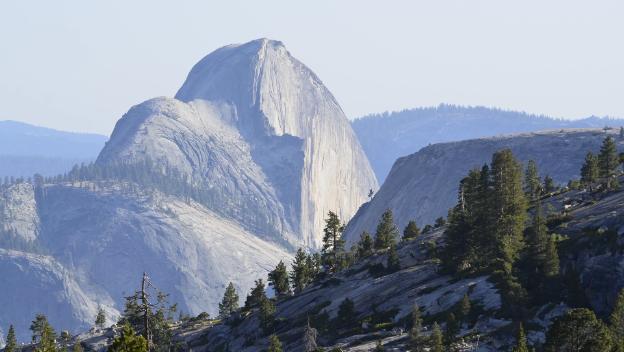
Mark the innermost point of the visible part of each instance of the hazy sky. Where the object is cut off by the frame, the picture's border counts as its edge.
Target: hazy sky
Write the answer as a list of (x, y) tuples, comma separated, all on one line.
[(79, 65)]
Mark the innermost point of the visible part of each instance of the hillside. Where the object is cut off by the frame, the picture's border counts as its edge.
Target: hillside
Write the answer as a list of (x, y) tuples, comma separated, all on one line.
[(383, 300), (423, 186), (389, 136)]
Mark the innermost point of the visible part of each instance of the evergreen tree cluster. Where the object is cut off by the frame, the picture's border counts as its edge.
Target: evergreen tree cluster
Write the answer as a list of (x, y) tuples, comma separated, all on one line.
[(488, 232), (602, 169)]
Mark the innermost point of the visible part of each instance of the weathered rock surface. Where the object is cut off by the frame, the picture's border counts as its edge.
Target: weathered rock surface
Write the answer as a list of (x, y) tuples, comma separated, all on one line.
[(423, 186), (251, 126), (101, 237), (258, 128), (389, 136)]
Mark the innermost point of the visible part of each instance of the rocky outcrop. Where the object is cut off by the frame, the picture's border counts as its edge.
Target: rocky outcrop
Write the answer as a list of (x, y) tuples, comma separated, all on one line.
[(389, 136), (423, 186), (100, 237)]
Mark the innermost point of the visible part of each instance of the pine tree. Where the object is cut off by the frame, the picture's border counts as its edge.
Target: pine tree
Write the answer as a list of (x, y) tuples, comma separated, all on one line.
[(229, 303), (532, 182), (38, 326), (299, 275), (11, 341), (589, 171), (267, 314), (275, 345), (365, 245), (386, 233), (347, 316), (278, 279), (436, 343), (393, 263), (508, 208), (256, 296), (542, 254), (578, 330), (100, 319), (313, 264), (416, 339), (128, 341), (47, 340), (550, 267), (309, 338), (616, 321), (608, 163), (521, 341), (411, 231), (333, 244), (549, 184), (465, 306)]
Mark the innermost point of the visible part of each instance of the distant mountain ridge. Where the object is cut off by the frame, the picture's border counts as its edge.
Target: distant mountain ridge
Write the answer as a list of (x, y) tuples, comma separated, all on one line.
[(27, 149), (388, 136)]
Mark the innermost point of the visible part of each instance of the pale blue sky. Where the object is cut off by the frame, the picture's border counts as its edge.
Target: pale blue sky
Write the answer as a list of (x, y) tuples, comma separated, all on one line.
[(79, 65)]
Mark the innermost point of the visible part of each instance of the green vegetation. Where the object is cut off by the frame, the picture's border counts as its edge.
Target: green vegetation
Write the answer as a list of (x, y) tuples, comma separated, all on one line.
[(274, 344), (100, 319), (387, 232), (608, 163), (278, 279), (128, 341), (256, 296), (229, 303), (411, 231), (365, 245), (521, 341), (11, 341), (333, 244), (578, 330)]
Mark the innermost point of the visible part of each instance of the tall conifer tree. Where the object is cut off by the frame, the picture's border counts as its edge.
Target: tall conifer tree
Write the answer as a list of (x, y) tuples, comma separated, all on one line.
[(532, 182), (608, 163), (278, 279), (589, 171), (387, 232), (333, 244), (11, 341), (229, 303), (508, 208)]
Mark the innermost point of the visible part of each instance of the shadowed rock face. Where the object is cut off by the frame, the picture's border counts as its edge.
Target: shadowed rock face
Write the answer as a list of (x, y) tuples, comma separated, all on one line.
[(423, 186)]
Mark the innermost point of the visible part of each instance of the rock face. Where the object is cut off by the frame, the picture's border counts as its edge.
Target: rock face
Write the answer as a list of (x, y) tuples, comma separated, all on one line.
[(98, 238), (258, 128), (252, 128), (389, 136), (423, 186)]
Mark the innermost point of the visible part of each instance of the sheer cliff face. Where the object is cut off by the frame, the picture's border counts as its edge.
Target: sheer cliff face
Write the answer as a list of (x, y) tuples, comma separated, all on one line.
[(423, 186), (259, 129)]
